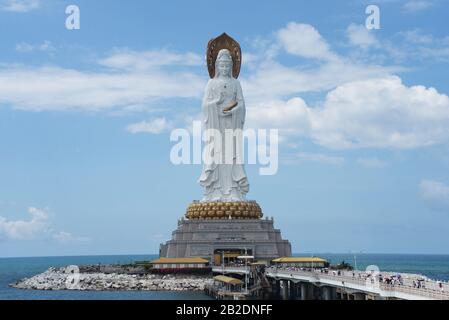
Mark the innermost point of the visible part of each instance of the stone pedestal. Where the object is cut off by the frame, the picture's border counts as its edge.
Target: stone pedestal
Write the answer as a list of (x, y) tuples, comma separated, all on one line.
[(206, 238)]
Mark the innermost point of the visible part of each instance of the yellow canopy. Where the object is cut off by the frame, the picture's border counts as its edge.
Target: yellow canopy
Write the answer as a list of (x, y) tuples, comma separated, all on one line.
[(228, 280)]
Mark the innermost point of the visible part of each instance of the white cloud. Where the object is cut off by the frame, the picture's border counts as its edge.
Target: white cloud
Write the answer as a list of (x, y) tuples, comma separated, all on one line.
[(25, 229), (417, 5), (126, 59), (435, 193), (38, 226), (382, 113), (292, 116), (417, 45), (55, 88), (66, 237), (25, 47), (374, 113), (436, 53), (305, 41), (320, 158), (371, 162), (20, 5), (271, 80), (365, 107), (360, 36), (417, 36), (154, 126)]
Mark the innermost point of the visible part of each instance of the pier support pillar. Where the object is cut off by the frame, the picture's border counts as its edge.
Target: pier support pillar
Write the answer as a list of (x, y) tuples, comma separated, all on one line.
[(359, 296), (303, 290), (277, 288), (293, 290), (327, 293), (284, 289), (311, 292)]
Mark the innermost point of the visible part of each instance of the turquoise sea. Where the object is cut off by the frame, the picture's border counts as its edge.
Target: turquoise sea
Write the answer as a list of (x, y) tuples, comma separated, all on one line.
[(14, 269)]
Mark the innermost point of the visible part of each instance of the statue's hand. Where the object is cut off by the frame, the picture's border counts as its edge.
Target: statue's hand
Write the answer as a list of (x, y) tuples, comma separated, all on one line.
[(229, 110), (220, 99), (231, 106)]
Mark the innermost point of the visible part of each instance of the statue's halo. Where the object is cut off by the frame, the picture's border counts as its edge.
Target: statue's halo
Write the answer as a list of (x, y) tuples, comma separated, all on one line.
[(224, 42)]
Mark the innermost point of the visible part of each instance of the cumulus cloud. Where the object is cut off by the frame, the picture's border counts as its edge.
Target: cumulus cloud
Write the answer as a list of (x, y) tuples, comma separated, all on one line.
[(366, 105), (154, 126), (305, 41), (382, 112), (359, 35), (271, 80), (20, 5), (435, 193), (274, 81), (26, 229), (374, 113), (38, 226)]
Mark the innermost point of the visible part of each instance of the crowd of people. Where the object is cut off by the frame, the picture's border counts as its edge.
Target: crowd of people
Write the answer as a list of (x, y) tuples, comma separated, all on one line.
[(388, 279)]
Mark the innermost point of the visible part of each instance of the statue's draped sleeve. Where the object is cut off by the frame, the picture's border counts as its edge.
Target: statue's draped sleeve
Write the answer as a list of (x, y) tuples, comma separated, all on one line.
[(210, 121), (239, 113), (238, 120)]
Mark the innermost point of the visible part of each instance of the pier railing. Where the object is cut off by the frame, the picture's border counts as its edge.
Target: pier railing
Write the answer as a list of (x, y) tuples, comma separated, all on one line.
[(362, 282)]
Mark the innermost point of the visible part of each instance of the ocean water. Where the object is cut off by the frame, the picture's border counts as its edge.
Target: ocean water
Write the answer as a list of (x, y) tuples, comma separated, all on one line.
[(14, 269)]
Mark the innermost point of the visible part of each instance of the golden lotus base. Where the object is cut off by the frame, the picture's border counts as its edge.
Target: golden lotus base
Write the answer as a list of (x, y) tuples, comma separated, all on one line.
[(224, 210)]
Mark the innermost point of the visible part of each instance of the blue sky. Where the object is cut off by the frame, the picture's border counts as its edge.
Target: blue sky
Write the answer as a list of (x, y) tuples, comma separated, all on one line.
[(363, 116)]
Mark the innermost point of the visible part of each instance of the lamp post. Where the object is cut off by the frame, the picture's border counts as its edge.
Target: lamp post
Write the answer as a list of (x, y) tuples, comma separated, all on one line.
[(312, 263), (246, 257), (246, 271), (222, 262)]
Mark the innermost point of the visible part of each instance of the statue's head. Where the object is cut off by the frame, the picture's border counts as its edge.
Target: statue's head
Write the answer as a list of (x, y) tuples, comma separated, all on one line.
[(223, 64)]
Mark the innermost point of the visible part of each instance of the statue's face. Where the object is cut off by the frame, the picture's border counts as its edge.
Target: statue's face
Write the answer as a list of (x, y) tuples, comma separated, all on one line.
[(224, 68)]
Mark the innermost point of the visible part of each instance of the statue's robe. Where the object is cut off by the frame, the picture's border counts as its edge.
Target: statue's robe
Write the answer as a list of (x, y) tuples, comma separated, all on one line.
[(223, 181)]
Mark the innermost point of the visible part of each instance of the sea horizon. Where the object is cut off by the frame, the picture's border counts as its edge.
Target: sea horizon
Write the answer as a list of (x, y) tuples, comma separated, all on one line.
[(296, 254)]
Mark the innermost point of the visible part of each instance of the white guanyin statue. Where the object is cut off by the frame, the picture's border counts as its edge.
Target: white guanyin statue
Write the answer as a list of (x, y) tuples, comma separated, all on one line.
[(224, 108)]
